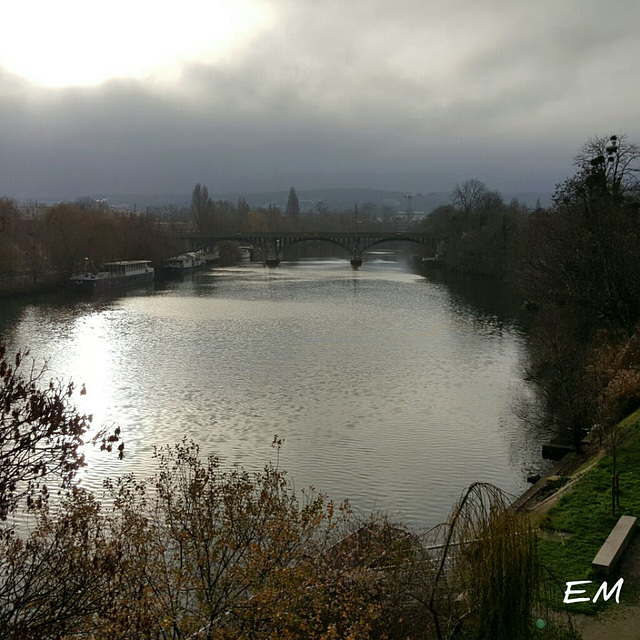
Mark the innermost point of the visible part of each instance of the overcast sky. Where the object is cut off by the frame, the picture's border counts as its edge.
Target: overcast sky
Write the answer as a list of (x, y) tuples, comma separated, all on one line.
[(246, 95)]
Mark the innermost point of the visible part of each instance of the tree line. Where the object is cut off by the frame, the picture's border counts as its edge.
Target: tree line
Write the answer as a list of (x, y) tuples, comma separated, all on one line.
[(579, 269), (481, 232), (576, 265), (222, 216), (35, 240)]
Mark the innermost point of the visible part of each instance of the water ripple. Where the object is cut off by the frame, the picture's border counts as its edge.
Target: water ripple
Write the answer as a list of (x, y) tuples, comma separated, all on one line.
[(386, 388)]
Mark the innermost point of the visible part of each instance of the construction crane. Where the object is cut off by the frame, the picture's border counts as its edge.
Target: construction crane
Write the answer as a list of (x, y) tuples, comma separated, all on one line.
[(409, 198)]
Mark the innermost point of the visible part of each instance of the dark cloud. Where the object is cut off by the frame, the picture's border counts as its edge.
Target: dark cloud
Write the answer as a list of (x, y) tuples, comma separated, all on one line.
[(400, 95)]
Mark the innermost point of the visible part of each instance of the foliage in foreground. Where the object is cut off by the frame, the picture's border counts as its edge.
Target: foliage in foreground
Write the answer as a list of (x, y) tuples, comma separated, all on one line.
[(40, 434), (196, 551), (201, 552), (486, 581)]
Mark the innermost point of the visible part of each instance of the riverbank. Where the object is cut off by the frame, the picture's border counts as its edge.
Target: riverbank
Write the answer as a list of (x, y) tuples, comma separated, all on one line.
[(27, 284), (577, 519), (49, 282)]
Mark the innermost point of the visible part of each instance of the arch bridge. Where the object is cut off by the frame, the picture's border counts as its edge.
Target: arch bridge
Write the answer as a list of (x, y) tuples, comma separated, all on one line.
[(273, 244)]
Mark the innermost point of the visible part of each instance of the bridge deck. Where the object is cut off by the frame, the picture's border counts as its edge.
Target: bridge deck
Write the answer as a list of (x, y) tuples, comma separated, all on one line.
[(274, 242)]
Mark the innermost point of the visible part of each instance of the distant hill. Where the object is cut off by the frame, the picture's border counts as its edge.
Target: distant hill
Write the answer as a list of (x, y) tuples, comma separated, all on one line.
[(340, 199)]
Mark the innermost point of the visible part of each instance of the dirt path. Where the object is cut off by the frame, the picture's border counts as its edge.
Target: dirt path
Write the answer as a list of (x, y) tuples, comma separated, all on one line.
[(616, 624), (618, 621)]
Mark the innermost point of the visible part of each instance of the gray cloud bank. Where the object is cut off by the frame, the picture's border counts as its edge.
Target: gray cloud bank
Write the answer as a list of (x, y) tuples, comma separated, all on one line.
[(401, 95)]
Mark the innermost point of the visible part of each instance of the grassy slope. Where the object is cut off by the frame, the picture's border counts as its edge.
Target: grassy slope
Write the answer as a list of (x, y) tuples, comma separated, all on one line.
[(585, 511)]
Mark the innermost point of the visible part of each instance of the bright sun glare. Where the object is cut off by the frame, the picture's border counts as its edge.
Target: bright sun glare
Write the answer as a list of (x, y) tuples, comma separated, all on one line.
[(76, 42)]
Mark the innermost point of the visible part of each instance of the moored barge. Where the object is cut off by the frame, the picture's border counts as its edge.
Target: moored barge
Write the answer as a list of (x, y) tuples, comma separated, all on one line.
[(114, 275), (183, 264)]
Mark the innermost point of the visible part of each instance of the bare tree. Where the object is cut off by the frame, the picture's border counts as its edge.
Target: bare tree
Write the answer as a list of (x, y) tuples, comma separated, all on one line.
[(40, 434), (614, 160), (469, 195)]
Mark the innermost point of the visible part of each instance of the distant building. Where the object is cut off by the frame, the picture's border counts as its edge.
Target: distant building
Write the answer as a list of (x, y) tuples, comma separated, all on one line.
[(306, 205), (414, 215), (272, 205)]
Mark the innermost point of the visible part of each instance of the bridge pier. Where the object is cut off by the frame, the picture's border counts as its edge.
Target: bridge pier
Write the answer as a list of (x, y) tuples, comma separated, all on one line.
[(356, 258), (272, 258)]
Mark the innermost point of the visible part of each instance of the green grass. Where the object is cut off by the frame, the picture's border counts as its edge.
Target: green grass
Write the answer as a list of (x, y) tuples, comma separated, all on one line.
[(585, 511)]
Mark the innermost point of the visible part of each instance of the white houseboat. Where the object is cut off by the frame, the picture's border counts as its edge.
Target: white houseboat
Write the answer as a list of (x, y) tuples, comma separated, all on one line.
[(184, 263), (114, 275)]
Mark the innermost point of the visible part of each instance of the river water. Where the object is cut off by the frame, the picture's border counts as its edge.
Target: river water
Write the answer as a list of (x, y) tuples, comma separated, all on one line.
[(390, 389)]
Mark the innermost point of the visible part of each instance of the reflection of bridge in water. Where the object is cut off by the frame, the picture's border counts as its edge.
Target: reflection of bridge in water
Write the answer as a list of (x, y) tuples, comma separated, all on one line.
[(273, 244)]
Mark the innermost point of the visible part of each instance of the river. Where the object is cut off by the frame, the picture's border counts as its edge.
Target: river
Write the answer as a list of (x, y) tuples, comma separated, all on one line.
[(390, 389)]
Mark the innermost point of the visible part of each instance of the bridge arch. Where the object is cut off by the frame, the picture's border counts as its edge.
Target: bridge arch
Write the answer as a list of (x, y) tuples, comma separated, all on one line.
[(314, 239), (425, 243)]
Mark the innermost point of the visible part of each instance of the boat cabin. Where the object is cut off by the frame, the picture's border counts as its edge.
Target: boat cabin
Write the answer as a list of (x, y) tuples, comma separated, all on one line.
[(185, 261), (128, 267)]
